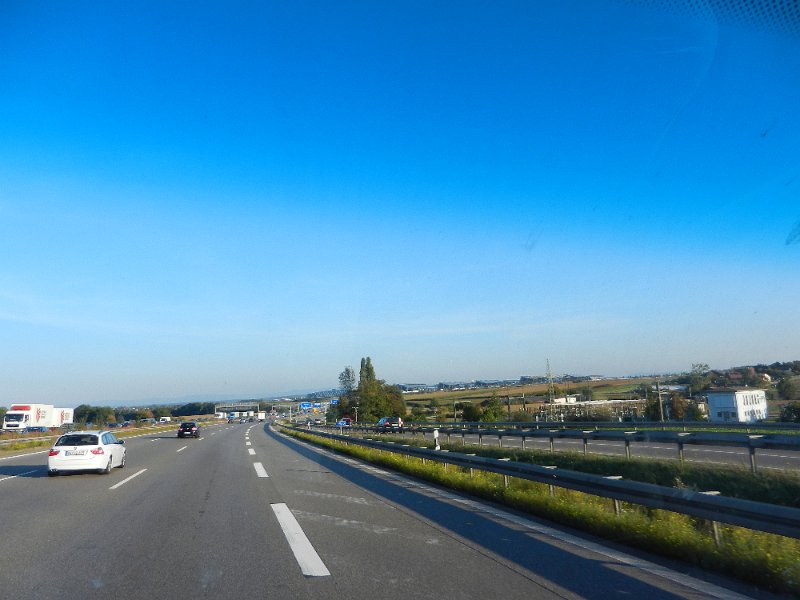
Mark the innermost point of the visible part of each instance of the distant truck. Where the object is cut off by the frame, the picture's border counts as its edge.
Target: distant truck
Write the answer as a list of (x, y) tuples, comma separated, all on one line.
[(165, 419), (262, 415), (24, 416)]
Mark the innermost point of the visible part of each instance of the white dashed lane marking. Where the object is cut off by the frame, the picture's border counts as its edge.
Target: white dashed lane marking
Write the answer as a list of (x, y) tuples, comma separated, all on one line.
[(126, 480), (306, 556)]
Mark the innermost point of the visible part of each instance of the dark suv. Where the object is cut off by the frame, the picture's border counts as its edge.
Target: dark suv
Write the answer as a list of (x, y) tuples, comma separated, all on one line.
[(394, 424), (189, 429)]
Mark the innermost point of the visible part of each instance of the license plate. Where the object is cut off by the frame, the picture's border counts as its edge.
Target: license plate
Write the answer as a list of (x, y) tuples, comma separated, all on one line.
[(75, 452)]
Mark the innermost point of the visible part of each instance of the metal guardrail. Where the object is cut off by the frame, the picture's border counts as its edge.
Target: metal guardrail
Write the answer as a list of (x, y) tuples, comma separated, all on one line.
[(758, 516), (22, 440), (605, 425), (751, 442)]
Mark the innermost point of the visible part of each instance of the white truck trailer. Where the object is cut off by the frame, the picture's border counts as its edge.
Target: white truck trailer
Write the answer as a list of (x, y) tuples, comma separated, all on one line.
[(24, 416), (63, 416)]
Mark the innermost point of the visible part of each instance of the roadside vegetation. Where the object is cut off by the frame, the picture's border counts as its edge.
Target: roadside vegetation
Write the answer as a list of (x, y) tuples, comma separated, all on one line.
[(772, 487), (369, 399), (769, 561), (25, 444)]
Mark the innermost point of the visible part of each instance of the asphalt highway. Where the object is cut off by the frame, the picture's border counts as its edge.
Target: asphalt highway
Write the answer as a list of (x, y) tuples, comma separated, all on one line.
[(244, 512)]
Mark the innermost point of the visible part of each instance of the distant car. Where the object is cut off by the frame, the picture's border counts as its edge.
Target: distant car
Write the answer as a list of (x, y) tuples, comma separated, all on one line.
[(242, 420), (37, 429), (319, 422), (344, 423), (189, 429), (86, 451), (394, 424)]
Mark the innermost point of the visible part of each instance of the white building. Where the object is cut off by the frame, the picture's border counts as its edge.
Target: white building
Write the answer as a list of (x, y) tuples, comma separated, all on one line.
[(738, 406)]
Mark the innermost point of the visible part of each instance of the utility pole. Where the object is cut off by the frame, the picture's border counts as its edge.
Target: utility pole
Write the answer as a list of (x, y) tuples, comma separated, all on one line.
[(660, 405), (551, 392)]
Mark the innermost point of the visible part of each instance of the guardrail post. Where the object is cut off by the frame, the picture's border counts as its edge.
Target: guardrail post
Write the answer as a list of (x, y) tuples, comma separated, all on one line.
[(714, 524), (617, 504), (505, 477), (499, 440), (523, 441), (480, 439), (550, 485), (627, 448), (752, 449), (552, 444), (471, 470), (463, 437), (585, 445)]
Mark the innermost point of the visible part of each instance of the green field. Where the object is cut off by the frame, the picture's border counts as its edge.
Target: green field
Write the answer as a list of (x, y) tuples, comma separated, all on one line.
[(602, 391)]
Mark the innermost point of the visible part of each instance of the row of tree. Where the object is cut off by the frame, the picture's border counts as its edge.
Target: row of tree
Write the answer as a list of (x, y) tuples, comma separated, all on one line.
[(370, 398), (100, 415), (701, 378)]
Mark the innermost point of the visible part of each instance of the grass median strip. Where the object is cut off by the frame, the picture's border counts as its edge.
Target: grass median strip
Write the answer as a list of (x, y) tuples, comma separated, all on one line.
[(769, 561)]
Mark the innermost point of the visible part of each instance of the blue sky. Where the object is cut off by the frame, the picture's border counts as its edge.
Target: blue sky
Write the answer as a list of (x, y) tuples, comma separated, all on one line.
[(232, 200)]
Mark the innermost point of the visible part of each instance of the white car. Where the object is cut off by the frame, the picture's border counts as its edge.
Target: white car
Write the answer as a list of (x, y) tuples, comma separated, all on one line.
[(86, 451)]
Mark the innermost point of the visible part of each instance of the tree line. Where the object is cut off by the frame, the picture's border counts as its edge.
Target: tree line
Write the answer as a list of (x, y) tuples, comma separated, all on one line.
[(370, 398), (100, 415)]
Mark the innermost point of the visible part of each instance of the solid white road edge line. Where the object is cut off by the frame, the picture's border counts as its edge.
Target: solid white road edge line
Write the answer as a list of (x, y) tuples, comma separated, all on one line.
[(260, 470), (18, 475), (310, 563), (124, 481)]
